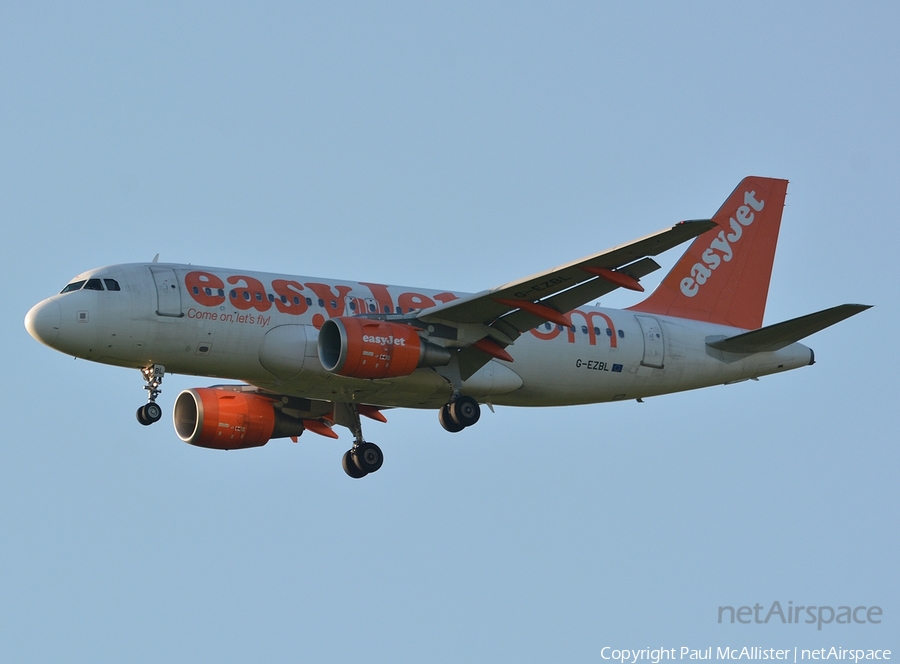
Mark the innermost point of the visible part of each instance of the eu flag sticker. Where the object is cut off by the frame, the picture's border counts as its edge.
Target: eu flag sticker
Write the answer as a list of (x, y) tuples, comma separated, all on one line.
[(617, 367)]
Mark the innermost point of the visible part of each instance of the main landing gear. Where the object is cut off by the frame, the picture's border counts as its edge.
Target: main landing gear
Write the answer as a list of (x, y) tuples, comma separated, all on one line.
[(363, 458), (460, 413), (151, 411)]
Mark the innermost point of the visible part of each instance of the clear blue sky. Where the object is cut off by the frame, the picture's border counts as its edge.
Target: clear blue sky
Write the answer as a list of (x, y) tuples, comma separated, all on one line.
[(454, 146)]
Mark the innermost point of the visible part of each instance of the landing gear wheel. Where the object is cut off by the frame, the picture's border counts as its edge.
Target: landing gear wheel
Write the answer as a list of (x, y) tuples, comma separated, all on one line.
[(447, 421), (149, 413), (152, 412), (350, 466), (367, 457), (465, 411), (141, 417)]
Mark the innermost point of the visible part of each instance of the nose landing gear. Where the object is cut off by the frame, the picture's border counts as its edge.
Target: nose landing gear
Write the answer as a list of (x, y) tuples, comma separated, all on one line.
[(151, 411)]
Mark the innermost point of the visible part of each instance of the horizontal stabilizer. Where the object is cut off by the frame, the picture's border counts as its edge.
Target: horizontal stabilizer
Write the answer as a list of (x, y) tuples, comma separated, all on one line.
[(779, 335)]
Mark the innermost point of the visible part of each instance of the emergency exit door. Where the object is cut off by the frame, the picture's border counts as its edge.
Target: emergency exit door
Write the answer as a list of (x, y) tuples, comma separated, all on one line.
[(654, 344)]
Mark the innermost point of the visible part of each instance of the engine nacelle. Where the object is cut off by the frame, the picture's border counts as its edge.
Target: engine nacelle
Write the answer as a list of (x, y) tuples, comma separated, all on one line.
[(366, 348), (223, 419)]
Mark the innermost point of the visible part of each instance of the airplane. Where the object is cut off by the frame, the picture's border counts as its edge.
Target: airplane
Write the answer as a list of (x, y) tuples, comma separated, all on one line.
[(312, 353)]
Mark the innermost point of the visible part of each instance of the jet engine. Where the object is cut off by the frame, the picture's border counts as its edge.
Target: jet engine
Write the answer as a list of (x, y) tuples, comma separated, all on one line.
[(223, 419), (366, 348)]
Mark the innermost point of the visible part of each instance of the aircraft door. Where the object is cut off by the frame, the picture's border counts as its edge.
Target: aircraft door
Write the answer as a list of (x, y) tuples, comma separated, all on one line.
[(654, 345), (168, 293)]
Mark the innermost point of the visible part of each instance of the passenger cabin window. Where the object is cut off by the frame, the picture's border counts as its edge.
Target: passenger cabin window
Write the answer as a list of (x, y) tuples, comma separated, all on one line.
[(74, 286)]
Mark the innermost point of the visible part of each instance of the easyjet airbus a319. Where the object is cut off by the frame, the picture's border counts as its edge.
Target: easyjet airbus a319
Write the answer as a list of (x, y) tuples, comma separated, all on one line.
[(314, 353)]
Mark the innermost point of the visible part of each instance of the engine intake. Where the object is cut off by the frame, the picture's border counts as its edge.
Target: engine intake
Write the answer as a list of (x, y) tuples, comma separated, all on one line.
[(229, 420), (366, 348)]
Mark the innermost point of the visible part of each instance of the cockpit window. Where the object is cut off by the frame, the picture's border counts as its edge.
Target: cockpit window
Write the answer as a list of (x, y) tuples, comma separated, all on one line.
[(92, 284), (74, 286)]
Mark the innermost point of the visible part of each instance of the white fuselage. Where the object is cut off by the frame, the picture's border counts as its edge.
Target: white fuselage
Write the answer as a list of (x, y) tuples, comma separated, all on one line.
[(262, 329)]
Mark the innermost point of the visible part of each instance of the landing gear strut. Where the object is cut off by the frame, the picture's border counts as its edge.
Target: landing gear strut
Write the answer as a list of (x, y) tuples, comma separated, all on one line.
[(460, 413), (364, 457), (151, 411)]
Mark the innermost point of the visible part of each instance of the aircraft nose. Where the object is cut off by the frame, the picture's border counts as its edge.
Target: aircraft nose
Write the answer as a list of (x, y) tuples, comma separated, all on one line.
[(42, 322)]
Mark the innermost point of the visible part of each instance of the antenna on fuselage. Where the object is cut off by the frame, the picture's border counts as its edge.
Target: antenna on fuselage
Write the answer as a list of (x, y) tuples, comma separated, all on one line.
[(155, 259)]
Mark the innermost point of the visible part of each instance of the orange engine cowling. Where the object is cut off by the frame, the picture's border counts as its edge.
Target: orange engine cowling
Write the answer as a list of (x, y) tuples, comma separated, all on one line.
[(366, 348), (223, 419)]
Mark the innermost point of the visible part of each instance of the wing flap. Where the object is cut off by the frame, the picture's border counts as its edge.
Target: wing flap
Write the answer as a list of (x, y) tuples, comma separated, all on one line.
[(587, 291)]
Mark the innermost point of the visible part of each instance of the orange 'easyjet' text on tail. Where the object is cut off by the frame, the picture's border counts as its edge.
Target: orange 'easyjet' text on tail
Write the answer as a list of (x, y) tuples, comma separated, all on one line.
[(723, 277)]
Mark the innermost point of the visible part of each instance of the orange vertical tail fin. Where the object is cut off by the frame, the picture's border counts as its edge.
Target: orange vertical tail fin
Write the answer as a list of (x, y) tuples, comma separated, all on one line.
[(723, 277)]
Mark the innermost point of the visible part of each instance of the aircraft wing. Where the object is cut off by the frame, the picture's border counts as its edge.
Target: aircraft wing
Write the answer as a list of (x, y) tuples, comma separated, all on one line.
[(489, 321)]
